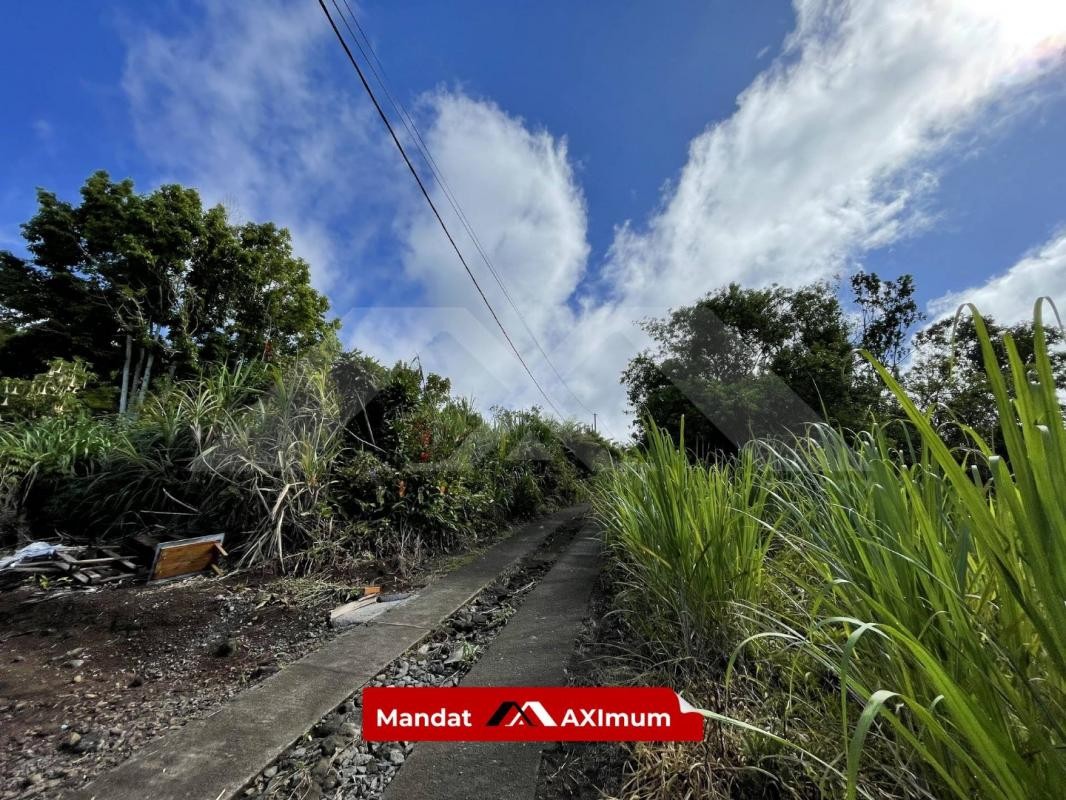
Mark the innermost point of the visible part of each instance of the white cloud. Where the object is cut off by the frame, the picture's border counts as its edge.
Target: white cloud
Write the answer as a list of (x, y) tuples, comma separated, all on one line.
[(1009, 298), (831, 152), (241, 105), (517, 190)]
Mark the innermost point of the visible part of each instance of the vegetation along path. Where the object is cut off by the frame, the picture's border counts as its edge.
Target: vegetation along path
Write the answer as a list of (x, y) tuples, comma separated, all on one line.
[(216, 757)]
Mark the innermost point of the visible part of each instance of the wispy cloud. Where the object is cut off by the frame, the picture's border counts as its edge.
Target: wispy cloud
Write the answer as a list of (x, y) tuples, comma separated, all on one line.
[(242, 104), (44, 130), (831, 152), (1009, 297)]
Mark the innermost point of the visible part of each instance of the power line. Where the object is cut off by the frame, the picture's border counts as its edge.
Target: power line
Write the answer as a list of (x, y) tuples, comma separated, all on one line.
[(432, 205), (371, 58)]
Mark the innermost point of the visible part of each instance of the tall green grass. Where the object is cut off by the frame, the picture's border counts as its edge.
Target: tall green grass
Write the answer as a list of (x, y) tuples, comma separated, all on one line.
[(930, 590), (692, 539)]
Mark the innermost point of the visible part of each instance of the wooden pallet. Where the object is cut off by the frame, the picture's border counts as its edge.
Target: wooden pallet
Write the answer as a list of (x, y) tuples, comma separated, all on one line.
[(87, 566), (150, 557)]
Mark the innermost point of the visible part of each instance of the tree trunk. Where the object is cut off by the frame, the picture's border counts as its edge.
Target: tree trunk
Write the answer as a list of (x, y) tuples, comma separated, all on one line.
[(136, 379), (145, 381), (124, 392)]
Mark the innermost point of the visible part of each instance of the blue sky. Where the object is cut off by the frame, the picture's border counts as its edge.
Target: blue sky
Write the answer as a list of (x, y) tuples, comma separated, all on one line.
[(616, 159)]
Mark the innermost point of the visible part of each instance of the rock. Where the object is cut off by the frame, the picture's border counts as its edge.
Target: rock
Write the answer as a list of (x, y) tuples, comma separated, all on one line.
[(326, 727), (17, 659), (136, 681), (71, 741), (362, 759), (78, 679), (329, 745), (225, 648), (270, 772), (87, 744), (396, 756), (349, 730), (321, 769)]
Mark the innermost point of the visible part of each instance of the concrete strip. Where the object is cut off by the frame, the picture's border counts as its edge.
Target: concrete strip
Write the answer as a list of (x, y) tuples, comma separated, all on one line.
[(214, 757), (532, 650)]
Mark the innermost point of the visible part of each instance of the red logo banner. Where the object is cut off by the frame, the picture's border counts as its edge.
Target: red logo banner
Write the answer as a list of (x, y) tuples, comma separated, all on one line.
[(528, 714)]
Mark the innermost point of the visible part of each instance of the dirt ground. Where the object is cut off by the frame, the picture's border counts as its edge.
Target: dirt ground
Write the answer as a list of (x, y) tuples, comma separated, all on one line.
[(86, 677)]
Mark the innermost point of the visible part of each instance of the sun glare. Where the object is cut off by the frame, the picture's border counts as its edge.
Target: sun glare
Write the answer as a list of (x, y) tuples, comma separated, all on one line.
[(1029, 25)]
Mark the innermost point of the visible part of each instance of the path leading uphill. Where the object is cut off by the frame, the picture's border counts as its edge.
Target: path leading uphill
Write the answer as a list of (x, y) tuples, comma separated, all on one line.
[(216, 757), (531, 651)]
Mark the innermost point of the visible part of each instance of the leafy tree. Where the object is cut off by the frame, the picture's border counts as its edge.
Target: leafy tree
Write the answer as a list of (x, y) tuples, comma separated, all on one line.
[(746, 362), (136, 284), (888, 313), (948, 375)]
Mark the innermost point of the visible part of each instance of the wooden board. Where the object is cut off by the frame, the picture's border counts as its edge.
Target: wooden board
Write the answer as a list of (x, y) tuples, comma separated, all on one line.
[(336, 616), (185, 556)]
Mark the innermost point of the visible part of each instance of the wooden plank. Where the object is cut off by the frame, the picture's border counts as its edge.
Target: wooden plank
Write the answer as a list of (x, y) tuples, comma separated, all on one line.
[(124, 562), (88, 562), (184, 556), (336, 614)]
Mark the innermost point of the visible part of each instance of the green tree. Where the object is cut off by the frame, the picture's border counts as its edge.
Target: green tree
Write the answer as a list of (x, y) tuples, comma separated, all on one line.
[(746, 362), (136, 284), (948, 376), (888, 312)]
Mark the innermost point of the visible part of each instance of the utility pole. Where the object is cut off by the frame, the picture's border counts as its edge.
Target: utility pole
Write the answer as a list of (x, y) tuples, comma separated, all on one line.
[(594, 422)]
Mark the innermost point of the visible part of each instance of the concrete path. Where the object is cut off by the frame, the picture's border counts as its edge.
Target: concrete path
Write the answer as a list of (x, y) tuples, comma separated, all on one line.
[(532, 650), (213, 758)]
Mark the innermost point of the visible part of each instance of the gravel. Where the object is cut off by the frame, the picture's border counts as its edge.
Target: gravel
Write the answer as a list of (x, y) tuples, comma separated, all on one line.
[(333, 762)]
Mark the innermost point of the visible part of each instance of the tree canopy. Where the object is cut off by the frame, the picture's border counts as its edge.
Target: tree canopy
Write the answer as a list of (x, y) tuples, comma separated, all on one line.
[(133, 282), (742, 363), (948, 376)]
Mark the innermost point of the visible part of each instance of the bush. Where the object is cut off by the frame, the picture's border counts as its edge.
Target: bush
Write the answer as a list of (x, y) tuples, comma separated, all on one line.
[(298, 462)]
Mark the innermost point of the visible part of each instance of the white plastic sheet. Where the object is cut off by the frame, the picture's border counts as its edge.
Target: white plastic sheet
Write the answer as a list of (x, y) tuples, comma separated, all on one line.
[(32, 550)]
